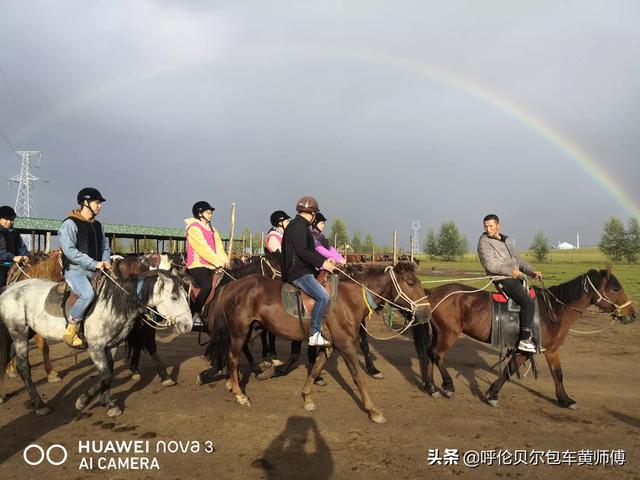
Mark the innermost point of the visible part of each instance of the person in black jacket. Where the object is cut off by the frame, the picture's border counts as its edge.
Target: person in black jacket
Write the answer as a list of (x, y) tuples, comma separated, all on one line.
[(12, 248), (301, 262)]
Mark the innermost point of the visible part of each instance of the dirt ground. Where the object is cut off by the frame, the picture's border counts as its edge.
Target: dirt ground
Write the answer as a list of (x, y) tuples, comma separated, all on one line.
[(277, 438)]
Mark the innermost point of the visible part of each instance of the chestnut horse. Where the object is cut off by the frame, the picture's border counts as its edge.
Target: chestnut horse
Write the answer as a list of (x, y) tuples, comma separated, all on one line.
[(560, 307), (47, 267), (257, 299)]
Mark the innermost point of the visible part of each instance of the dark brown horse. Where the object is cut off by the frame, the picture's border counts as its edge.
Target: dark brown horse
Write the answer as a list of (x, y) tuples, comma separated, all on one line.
[(456, 313), (48, 267), (257, 299)]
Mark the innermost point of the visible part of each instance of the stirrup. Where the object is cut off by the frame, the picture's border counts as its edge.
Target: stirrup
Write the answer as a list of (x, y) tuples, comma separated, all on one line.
[(527, 346)]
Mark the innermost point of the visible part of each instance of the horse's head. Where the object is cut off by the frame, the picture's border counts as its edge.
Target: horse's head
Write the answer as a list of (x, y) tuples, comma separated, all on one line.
[(608, 294), (170, 299), (407, 290)]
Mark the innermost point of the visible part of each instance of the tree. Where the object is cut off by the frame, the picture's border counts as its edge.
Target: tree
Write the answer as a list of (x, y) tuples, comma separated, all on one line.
[(338, 233), (540, 247), (613, 240), (431, 244), (450, 243), (368, 243), (632, 240), (356, 242)]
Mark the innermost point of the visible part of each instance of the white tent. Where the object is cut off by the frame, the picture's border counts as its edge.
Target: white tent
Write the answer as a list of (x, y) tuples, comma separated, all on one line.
[(565, 246)]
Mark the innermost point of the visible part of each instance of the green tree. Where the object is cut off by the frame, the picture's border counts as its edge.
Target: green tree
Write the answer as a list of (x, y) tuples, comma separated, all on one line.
[(632, 240), (450, 243), (540, 247), (431, 244), (613, 240), (356, 242), (338, 233), (368, 243)]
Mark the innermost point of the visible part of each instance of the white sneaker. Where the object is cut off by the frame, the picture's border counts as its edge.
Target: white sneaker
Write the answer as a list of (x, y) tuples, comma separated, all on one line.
[(317, 340), (527, 346)]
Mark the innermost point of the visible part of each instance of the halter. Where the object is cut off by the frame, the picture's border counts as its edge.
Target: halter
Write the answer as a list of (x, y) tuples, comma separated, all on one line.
[(603, 296), (414, 304), (274, 271)]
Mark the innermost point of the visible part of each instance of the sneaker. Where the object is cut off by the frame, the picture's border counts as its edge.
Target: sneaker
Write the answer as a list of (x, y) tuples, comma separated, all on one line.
[(317, 340), (527, 346)]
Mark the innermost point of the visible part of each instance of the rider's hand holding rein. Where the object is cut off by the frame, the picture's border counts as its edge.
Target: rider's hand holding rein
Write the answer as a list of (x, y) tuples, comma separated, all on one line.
[(329, 265), (103, 266), (21, 259)]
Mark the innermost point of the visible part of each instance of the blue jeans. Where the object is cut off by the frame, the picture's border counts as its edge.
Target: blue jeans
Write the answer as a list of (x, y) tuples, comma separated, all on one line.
[(309, 285), (79, 281)]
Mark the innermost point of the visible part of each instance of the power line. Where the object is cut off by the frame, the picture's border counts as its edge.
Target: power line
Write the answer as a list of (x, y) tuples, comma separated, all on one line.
[(6, 139)]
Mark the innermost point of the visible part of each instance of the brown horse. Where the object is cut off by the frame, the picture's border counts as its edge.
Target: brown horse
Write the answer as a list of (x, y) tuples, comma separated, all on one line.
[(470, 313), (257, 299), (48, 267)]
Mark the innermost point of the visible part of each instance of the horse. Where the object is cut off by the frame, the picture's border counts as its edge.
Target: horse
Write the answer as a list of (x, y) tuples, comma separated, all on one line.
[(470, 313), (47, 267), (257, 299), (117, 305)]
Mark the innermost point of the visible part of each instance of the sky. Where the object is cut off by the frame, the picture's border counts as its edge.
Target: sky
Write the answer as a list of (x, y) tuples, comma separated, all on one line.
[(386, 112)]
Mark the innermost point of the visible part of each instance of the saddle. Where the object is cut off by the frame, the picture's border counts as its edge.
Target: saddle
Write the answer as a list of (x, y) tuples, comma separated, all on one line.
[(61, 299), (215, 281), (298, 304), (505, 321)]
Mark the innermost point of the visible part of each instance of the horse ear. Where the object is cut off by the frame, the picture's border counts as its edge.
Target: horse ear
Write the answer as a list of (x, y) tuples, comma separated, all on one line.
[(607, 271)]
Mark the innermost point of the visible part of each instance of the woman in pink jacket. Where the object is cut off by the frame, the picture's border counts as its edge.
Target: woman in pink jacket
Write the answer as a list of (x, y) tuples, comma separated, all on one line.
[(323, 247)]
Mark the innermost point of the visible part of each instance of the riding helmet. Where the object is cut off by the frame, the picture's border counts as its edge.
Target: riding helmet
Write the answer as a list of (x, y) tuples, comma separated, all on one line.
[(278, 216), (307, 204), (89, 194), (200, 207)]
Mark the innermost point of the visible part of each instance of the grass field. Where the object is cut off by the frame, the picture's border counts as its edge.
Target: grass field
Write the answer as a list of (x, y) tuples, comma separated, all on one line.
[(560, 266)]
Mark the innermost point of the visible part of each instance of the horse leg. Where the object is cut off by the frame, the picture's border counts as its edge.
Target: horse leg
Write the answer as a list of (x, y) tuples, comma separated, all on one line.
[(351, 359), (234, 375), (447, 381), (24, 370), (315, 370), (134, 365), (103, 360), (363, 340), (494, 390), (553, 359), (52, 375), (152, 349), (265, 344)]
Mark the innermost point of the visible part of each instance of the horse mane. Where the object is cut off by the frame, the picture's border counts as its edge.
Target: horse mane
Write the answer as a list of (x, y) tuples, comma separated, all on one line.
[(126, 301), (572, 291), (44, 266)]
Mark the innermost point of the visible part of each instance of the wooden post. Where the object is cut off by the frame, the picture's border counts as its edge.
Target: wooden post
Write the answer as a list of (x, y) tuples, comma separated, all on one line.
[(395, 246), (261, 243), (251, 242), (47, 243), (232, 226), (33, 241), (373, 251)]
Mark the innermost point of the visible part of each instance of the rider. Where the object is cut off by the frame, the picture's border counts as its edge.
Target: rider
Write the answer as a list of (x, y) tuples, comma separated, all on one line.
[(273, 240), (85, 249), (323, 247), (205, 252), (499, 257), (12, 248), (300, 263)]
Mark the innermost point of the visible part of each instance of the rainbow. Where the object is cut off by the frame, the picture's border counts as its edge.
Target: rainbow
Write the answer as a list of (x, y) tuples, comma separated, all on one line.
[(569, 148)]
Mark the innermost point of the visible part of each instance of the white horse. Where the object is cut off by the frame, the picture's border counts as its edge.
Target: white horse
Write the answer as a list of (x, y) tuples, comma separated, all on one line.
[(22, 311)]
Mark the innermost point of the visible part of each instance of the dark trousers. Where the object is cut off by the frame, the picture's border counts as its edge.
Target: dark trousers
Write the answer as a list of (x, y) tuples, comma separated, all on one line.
[(203, 278), (312, 352), (3, 276), (513, 289)]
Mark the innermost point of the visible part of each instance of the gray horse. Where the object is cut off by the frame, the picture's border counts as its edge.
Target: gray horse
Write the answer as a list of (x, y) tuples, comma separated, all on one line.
[(22, 312)]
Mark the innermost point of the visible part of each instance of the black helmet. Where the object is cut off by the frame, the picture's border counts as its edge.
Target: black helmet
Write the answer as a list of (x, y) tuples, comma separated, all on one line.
[(7, 212), (319, 218), (200, 207), (278, 216), (89, 194)]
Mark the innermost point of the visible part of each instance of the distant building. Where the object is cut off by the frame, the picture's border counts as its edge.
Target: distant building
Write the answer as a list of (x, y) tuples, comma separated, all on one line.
[(565, 246)]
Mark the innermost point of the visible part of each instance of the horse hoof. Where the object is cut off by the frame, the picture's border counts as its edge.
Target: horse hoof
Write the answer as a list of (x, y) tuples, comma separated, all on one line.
[(493, 403), (168, 382), (378, 376), (266, 374), (228, 384), (435, 395), (243, 400), (573, 406), (1, 399), (135, 376), (114, 412), (199, 379), (377, 417), (12, 374), (309, 406), (276, 362), (448, 393), (42, 411), (320, 382), (53, 377), (82, 401)]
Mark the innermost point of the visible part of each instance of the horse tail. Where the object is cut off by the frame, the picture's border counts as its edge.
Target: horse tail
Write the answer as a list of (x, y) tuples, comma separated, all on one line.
[(5, 348), (422, 337), (217, 351)]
